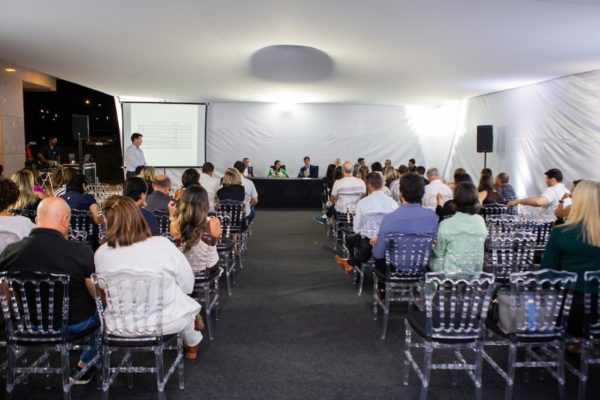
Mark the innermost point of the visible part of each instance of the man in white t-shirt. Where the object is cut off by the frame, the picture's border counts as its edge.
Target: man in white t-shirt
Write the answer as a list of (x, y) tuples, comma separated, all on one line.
[(251, 197), (550, 197), (434, 187), (209, 183), (348, 190)]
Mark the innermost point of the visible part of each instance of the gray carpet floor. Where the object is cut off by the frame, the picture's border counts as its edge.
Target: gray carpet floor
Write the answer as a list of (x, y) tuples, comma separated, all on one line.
[(295, 328)]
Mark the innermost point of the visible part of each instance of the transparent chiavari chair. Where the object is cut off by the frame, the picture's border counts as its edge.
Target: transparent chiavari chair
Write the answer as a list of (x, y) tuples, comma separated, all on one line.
[(533, 317), (343, 226), (233, 219), (35, 307), (130, 309), (370, 229), (206, 290), (590, 343), (407, 257), (163, 221), (82, 227), (510, 255), (31, 214), (456, 306), (493, 210)]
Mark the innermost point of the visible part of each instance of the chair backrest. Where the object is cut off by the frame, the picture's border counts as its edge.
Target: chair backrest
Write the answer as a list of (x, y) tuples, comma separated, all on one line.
[(493, 210), (231, 214), (511, 255), (6, 238), (35, 306), (82, 226), (163, 222), (372, 223), (456, 305), (24, 212), (592, 304), (540, 302), (347, 197), (408, 252), (133, 304)]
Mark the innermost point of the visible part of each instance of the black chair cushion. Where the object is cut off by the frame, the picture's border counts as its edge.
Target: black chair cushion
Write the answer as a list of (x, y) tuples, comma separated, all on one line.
[(418, 320)]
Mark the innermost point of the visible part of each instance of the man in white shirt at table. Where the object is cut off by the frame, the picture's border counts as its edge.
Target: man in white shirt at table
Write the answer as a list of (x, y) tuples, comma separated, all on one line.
[(435, 187), (367, 220), (550, 197), (134, 156)]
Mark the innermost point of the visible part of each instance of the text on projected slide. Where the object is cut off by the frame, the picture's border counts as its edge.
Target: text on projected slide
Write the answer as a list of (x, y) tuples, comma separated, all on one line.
[(167, 135)]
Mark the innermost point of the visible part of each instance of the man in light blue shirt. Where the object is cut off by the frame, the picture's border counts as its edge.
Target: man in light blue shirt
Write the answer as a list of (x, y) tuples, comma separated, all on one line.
[(134, 156), (410, 217)]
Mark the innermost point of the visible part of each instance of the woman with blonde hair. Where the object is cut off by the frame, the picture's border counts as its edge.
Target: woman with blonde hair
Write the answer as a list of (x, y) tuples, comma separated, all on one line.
[(130, 247), (231, 186), (28, 200), (149, 175), (575, 245)]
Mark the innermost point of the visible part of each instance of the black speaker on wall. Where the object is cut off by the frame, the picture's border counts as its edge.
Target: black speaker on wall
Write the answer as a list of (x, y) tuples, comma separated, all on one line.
[(485, 138), (80, 126)]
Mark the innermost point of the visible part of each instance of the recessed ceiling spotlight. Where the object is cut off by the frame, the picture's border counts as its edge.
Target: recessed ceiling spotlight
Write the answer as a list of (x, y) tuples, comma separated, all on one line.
[(10, 69)]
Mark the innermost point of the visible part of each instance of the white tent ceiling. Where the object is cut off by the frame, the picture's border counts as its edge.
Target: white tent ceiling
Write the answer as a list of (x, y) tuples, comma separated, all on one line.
[(371, 52)]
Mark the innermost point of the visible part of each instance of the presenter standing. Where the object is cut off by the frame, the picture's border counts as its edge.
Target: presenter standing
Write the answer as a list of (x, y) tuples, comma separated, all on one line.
[(134, 156), (308, 170)]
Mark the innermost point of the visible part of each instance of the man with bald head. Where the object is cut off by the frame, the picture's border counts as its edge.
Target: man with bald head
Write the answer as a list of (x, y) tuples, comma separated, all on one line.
[(348, 190), (159, 199), (47, 249)]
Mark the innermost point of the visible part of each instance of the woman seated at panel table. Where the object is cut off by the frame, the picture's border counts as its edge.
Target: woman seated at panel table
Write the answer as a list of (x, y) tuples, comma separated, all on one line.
[(277, 170)]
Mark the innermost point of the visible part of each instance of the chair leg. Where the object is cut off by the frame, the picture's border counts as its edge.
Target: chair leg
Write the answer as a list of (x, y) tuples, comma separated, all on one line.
[(407, 343), (426, 373), (207, 311), (10, 370), (160, 373), (105, 370), (386, 312), (583, 369), (560, 370), (375, 296), (478, 370), (66, 371), (180, 366), (510, 371)]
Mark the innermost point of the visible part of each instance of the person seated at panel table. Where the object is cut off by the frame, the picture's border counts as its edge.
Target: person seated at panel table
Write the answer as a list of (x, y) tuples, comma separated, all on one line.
[(278, 170), (308, 170)]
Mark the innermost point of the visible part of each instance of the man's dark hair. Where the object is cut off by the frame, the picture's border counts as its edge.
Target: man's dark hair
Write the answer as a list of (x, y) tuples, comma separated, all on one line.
[(134, 187), (1, 169), (462, 177), (9, 193), (240, 166), (306, 158), (360, 160), (376, 166), (208, 167), (76, 183), (138, 169), (466, 199), (412, 160), (52, 137), (402, 169), (503, 177), (554, 173), (412, 187), (190, 177), (135, 136), (487, 171), (421, 170), (375, 179)]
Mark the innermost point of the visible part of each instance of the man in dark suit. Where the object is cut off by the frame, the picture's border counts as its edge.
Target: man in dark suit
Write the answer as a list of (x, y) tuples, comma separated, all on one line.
[(249, 170), (308, 171)]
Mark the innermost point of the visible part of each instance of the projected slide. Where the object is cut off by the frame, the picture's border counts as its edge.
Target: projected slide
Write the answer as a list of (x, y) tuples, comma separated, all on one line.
[(174, 134)]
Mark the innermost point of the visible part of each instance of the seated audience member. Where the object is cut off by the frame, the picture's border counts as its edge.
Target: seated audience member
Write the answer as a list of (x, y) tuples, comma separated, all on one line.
[(232, 188), (46, 249), (549, 198), (77, 198), (376, 167), (328, 179), (412, 165), (248, 169), (148, 174), (250, 193), (360, 172), (486, 171), (447, 209), (28, 199), (575, 245), (130, 247), (361, 162), (421, 173), (138, 171), (562, 210), (460, 239), (66, 175), (387, 163), (389, 175), (189, 177), (159, 199), (135, 188), (487, 192), (308, 170), (504, 188), (402, 169), (197, 232), (348, 190), (9, 194), (366, 222), (210, 183), (277, 170), (435, 187), (458, 170), (411, 217), (337, 162)]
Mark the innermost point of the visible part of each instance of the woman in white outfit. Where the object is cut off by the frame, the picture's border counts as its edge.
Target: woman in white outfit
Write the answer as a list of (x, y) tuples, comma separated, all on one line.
[(130, 247)]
